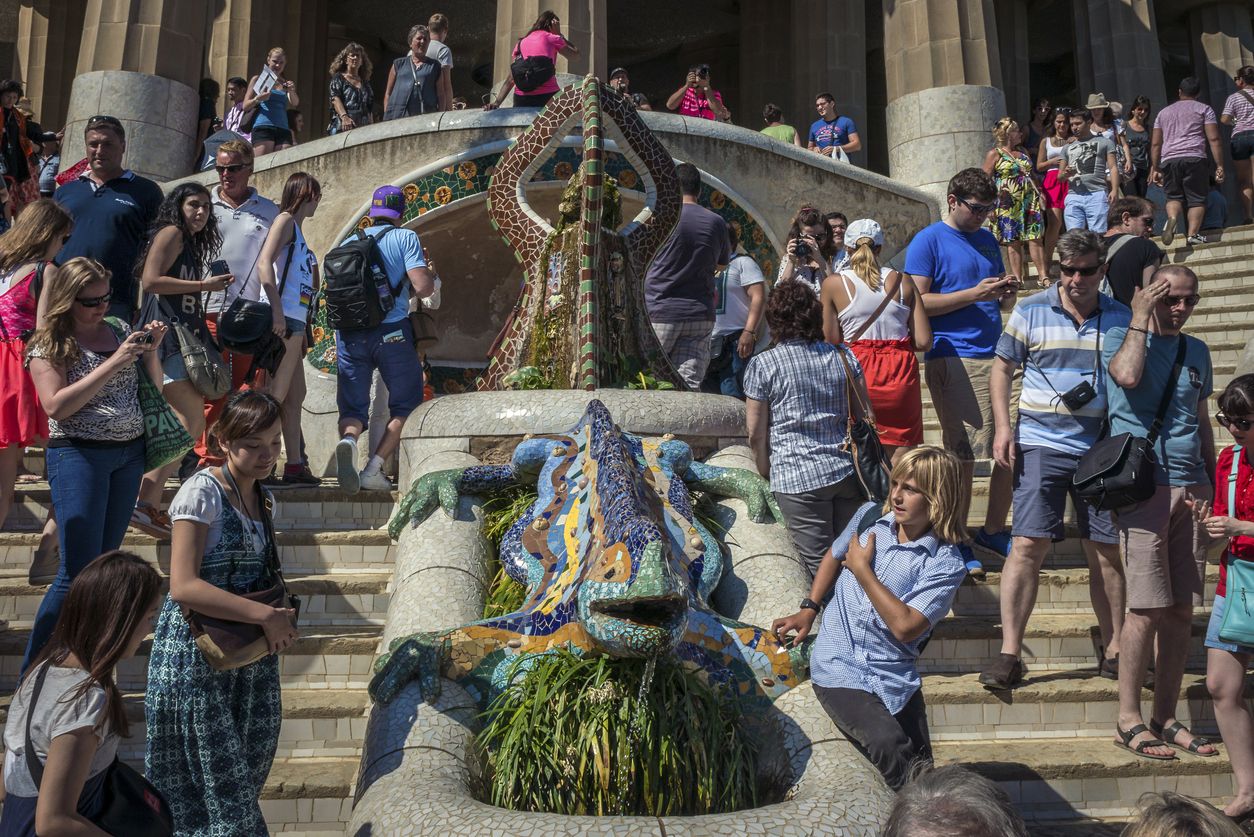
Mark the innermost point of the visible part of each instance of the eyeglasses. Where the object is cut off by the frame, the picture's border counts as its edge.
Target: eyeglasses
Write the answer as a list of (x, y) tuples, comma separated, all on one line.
[(65, 239), (978, 208), (94, 301), (1228, 421), (1072, 270), (234, 167), (1187, 301)]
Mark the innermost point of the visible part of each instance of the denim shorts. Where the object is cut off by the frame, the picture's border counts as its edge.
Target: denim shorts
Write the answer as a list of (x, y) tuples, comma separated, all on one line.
[(1212, 631), (294, 326), (1042, 482), (389, 348), (1242, 145), (173, 369)]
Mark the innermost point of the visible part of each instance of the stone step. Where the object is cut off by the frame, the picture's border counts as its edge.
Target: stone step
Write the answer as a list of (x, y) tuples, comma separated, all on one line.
[(1049, 705), (1052, 642), (1085, 778), (326, 598), (305, 551), (1087, 827), (309, 795), (322, 507), (1061, 591), (324, 657)]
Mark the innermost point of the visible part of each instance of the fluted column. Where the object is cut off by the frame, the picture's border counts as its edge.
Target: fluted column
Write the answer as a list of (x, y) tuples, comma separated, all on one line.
[(140, 60), (828, 50), (583, 21), (1012, 42), (48, 36), (943, 75), (1118, 49)]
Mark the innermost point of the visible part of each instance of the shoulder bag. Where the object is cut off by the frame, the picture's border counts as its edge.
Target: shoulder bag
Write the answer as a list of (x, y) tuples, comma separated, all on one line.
[(165, 437), (225, 643), (862, 442), (205, 367), (1118, 471), (247, 326), (1238, 624), (132, 806)]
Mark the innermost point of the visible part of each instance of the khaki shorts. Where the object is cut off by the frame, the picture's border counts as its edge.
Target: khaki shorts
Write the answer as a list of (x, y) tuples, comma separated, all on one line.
[(960, 396), (1161, 546)]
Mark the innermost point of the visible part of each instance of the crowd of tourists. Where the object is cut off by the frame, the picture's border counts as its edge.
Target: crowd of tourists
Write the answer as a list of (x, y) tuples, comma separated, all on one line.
[(154, 334)]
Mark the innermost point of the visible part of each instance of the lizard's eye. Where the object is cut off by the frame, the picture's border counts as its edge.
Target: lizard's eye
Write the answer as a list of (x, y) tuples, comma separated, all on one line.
[(615, 565)]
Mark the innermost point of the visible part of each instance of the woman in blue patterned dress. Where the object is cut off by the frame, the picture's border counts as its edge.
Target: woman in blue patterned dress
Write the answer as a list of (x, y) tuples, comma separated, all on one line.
[(1020, 213), (212, 734)]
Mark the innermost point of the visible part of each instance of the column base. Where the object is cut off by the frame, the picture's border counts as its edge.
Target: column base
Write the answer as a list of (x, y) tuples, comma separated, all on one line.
[(159, 115), (937, 132)]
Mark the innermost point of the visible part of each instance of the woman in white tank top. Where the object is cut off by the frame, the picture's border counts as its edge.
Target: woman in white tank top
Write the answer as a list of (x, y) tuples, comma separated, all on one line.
[(877, 312)]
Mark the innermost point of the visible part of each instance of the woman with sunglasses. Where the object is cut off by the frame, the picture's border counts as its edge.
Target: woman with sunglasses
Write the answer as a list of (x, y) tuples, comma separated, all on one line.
[(1050, 159), (1233, 519), (86, 374), (1038, 125)]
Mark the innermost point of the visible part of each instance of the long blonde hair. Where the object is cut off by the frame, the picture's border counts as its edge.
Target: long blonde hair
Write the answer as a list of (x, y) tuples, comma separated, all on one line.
[(55, 340), (937, 474), (865, 264), (40, 223)]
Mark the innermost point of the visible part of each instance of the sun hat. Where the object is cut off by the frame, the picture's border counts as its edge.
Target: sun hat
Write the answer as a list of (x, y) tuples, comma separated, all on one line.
[(388, 202), (1096, 100), (864, 228)]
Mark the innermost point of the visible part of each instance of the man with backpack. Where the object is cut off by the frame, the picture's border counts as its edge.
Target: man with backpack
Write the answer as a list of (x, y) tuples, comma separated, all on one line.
[(366, 286)]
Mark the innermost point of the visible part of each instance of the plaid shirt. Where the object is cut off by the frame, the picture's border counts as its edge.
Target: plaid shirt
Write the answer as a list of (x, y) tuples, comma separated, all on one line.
[(855, 648), (803, 384)]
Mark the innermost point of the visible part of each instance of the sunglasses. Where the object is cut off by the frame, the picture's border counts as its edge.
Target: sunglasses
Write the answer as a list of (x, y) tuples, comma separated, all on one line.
[(1239, 424), (1072, 270), (978, 208), (103, 119), (94, 301), (234, 167), (1188, 301)]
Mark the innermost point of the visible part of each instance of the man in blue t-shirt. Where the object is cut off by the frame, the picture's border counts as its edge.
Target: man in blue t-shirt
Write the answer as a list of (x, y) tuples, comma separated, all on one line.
[(388, 347), (957, 267), (1163, 548), (832, 135)]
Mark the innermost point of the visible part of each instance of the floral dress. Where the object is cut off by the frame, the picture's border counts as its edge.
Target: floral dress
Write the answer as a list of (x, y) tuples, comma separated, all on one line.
[(212, 734), (1019, 215)]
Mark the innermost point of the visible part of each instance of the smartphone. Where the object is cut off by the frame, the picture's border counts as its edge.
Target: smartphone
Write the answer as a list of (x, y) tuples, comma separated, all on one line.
[(219, 267), (144, 337)]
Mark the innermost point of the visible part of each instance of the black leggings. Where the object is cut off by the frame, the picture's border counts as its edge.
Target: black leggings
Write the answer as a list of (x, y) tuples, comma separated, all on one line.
[(534, 100)]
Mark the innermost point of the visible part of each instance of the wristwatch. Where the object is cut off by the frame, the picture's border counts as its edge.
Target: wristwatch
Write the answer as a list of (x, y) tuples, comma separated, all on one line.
[(810, 604)]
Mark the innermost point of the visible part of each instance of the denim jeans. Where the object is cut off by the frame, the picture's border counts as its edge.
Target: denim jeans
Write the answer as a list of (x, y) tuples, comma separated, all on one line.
[(726, 372), (93, 495), (1086, 212)]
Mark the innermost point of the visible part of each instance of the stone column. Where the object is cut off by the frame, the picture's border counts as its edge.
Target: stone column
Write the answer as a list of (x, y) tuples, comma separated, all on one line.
[(48, 36), (1117, 41), (828, 50), (140, 61), (583, 21), (766, 35), (943, 77), (1012, 43)]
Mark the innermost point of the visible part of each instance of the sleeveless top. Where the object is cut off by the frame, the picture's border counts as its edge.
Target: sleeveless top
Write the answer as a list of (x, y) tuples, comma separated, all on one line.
[(297, 293), (893, 323), (185, 308), (273, 111), (1053, 151), (17, 305), (414, 90)]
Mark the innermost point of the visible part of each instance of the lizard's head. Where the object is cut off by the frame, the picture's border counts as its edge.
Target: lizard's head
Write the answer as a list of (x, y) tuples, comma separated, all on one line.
[(635, 606)]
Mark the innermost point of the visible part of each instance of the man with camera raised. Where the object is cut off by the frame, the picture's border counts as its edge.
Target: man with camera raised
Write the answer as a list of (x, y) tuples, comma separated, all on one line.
[(1056, 337), (697, 98)]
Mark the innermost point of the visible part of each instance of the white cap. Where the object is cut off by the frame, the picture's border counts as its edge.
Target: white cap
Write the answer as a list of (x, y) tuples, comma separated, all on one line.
[(864, 228)]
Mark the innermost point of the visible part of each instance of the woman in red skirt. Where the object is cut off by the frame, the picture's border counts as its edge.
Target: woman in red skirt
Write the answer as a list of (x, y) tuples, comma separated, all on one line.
[(878, 313), (26, 253)]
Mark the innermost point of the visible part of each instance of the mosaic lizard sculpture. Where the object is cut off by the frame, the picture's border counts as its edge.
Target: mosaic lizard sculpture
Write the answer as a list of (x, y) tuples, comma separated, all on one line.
[(614, 561), (580, 319)]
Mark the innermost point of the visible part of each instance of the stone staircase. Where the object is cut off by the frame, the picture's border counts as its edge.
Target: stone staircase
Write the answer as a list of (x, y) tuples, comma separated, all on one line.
[(1048, 743), (338, 559)]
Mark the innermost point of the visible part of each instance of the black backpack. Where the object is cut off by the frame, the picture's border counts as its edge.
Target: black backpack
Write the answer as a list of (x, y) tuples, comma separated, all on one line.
[(530, 73), (356, 289)]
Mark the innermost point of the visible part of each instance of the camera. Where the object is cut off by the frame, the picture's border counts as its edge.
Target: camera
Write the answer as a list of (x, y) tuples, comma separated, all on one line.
[(802, 250), (703, 70), (1079, 395), (144, 338), (219, 267)]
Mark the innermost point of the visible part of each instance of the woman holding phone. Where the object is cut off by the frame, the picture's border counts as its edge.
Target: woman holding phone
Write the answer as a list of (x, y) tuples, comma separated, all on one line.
[(271, 131)]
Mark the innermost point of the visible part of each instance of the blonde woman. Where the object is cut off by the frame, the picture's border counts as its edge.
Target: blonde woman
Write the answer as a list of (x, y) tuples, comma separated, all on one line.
[(877, 311), (271, 131), (352, 97), (1019, 216), (85, 372)]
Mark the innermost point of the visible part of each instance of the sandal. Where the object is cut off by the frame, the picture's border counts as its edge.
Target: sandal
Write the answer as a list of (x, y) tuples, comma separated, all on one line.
[(1128, 735), (1169, 735), (149, 519)]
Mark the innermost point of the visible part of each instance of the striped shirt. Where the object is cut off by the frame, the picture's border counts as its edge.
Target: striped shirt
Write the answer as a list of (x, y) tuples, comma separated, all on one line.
[(1056, 354), (803, 384), (855, 648)]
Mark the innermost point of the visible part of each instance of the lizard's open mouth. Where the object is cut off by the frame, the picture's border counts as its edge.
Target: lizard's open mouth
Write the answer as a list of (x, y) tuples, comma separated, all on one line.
[(656, 611)]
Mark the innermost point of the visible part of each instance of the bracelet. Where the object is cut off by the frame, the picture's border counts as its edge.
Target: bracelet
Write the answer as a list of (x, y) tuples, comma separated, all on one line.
[(1138, 328), (751, 332)]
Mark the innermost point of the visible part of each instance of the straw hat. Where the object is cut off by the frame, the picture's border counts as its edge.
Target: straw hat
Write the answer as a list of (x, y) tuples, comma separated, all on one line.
[(1096, 100)]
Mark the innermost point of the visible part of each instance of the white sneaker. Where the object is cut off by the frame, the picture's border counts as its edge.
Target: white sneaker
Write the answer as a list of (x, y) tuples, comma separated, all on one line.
[(1169, 230), (346, 466), (374, 481), (1195, 239)]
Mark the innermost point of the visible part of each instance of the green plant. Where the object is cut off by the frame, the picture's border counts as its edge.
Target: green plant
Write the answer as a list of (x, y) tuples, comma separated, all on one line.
[(604, 737), (500, 510), (528, 377), (646, 381)]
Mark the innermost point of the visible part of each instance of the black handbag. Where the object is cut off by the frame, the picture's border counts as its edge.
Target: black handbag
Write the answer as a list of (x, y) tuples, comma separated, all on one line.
[(1118, 471), (132, 806), (247, 327), (862, 441)]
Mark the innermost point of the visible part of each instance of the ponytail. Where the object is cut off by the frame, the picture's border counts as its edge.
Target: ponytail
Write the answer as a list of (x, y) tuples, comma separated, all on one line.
[(865, 265)]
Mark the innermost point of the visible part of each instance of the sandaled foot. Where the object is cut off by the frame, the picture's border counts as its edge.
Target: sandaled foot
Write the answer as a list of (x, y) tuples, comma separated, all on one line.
[(1143, 747), (1197, 745)]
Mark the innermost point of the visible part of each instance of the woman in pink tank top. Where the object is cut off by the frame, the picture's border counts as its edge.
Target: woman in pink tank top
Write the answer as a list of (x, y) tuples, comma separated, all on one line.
[(544, 41)]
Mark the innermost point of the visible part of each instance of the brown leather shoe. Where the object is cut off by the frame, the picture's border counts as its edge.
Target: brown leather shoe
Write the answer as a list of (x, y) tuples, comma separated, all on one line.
[(1006, 673)]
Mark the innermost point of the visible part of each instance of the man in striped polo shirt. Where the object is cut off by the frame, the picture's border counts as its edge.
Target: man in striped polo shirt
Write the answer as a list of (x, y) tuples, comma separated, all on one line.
[(1056, 337)]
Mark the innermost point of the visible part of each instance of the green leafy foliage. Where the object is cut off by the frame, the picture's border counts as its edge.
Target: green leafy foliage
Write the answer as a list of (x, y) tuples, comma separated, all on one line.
[(500, 511), (580, 736), (646, 381), (528, 377)]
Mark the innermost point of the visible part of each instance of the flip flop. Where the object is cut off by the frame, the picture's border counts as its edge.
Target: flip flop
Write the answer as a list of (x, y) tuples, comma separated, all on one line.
[(1169, 734), (1128, 735)]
